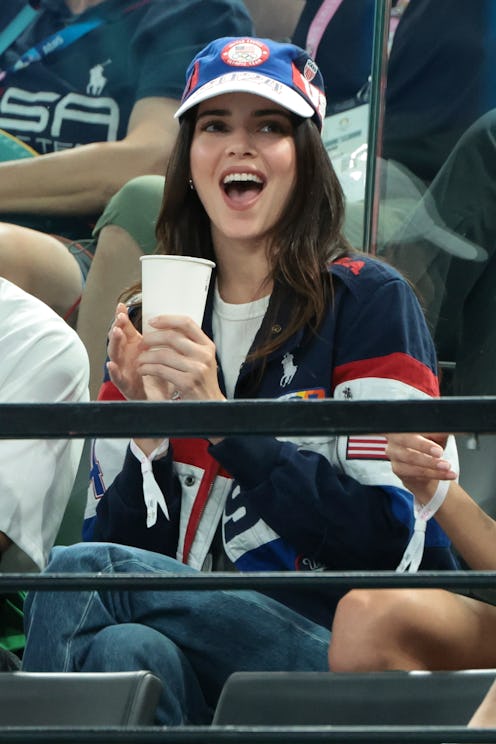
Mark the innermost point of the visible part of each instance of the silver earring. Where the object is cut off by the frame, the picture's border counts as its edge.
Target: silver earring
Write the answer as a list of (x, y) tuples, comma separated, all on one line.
[(191, 184)]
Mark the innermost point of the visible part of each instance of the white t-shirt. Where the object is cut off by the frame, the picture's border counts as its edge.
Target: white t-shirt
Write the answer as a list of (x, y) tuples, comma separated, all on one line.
[(234, 328), (42, 360)]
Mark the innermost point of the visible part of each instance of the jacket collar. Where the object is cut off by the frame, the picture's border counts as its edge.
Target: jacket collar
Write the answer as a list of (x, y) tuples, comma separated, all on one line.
[(279, 319)]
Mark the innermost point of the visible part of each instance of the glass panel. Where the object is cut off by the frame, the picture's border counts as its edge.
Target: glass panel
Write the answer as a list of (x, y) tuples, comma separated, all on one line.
[(340, 37), (343, 36), (424, 198), (436, 219)]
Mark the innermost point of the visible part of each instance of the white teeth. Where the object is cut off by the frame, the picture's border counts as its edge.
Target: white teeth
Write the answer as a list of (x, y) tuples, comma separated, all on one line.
[(242, 177)]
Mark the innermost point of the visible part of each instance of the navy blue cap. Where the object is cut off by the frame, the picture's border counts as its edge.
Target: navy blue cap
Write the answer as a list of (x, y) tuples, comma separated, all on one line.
[(283, 73)]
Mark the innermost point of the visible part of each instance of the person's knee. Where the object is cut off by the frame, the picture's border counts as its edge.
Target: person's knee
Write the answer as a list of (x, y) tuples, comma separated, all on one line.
[(19, 250), (133, 646), (134, 196), (41, 265), (135, 208), (79, 557), (363, 625), (126, 647), (347, 625)]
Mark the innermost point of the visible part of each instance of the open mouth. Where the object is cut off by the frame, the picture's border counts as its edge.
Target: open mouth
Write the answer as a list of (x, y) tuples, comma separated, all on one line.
[(241, 187)]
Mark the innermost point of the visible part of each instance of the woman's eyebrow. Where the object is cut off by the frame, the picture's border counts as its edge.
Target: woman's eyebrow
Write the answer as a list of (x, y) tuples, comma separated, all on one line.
[(272, 112), (213, 112), (258, 113)]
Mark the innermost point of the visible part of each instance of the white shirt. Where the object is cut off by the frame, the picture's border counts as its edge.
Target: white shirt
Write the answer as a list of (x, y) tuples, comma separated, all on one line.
[(234, 328), (42, 360)]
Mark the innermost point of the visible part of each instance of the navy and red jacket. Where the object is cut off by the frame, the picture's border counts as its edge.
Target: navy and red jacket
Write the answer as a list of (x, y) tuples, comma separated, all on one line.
[(312, 503)]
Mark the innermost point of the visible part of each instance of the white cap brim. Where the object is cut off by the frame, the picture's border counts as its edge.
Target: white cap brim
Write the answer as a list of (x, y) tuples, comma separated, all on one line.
[(249, 82)]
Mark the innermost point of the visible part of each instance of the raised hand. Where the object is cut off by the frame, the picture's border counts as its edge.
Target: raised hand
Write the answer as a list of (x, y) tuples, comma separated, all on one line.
[(181, 358), (125, 345), (418, 461)]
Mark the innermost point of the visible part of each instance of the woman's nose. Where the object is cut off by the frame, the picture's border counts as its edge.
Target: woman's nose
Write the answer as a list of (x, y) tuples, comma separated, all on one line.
[(241, 143)]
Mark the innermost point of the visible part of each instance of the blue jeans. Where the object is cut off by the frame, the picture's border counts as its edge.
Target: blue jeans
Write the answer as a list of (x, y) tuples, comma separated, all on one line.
[(192, 640)]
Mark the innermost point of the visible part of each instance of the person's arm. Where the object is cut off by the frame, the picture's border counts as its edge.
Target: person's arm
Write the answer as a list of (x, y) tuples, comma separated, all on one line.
[(322, 513), (340, 510), (420, 463), (121, 514), (136, 508), (43, 361), (81, 180)]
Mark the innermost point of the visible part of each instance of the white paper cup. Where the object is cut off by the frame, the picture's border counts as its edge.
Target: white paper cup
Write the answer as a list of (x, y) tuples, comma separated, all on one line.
[(174, 285)]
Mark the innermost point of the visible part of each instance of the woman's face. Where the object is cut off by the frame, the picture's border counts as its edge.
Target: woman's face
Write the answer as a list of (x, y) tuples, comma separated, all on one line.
[(243, 164)]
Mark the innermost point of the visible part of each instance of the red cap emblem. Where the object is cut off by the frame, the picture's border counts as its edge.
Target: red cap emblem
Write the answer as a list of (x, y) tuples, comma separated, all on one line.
[(245, 53)]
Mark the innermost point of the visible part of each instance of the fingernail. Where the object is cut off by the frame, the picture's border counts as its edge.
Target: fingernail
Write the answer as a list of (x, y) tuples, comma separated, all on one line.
[(436, 450)]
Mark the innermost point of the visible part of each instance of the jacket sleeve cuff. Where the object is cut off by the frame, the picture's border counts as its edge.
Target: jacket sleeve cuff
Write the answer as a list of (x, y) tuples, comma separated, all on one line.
[(250, 460)]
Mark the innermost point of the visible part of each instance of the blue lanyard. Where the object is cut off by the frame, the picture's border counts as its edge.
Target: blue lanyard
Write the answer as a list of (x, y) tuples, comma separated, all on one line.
[(55, 42)]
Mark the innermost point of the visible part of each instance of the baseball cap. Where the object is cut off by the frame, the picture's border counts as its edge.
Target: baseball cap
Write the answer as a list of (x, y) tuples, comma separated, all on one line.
[(283, 73)]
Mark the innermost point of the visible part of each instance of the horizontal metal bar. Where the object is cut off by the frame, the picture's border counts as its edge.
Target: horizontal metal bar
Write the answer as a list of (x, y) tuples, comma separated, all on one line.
[(460, 580), (208, 418), (245, 734)]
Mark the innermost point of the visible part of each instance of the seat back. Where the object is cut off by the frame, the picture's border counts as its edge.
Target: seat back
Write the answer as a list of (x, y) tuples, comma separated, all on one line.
[(78, 699), (353, 699)]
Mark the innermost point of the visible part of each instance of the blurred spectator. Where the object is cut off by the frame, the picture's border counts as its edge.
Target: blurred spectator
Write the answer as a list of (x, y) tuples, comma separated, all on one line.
[(441, 79), (446, 247), (91, 85), (344, 53), (43, 361), (439, 132), (440, 72), (275, 19)]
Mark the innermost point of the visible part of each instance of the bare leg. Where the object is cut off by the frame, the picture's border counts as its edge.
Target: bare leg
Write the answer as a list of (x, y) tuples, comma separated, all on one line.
[(115, 266), (431, 629), (41, 265), (485, 715)]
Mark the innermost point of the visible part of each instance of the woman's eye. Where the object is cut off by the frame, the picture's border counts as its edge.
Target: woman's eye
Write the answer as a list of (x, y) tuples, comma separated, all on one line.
[(275, 127), (213, 126)]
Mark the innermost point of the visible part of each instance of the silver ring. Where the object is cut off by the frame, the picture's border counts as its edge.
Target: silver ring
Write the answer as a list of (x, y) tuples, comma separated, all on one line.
[(176, 395)]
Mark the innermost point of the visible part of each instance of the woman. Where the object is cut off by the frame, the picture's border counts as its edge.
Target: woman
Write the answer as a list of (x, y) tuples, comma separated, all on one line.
[(292, 314), (429, 629)]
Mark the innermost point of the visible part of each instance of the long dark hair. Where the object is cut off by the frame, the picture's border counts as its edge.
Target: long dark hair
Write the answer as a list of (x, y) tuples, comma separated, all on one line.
[(305, 239)]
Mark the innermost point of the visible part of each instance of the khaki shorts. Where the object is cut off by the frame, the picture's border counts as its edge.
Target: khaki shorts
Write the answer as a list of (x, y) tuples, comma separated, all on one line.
[(135, 208)]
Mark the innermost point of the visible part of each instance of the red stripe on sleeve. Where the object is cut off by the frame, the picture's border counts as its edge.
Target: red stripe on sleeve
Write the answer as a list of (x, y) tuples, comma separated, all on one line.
[(398, 366)]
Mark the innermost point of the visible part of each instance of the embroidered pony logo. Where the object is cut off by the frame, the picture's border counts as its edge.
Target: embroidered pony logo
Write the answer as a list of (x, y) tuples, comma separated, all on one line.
[(289, 368), (97, 81)]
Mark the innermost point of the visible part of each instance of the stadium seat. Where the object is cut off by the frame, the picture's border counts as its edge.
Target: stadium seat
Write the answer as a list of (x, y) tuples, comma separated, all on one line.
[(351, 699), (78, 699)]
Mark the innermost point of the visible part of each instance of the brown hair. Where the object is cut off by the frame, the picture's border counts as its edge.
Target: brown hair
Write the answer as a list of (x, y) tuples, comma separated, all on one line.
[(305, 239)]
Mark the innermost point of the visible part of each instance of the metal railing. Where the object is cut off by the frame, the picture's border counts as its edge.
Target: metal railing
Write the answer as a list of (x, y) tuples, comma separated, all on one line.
[(326, 417), (284, 418), (247, 735)]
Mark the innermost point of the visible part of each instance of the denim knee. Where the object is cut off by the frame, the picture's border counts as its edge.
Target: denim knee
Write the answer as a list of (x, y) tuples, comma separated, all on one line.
[(132, 647)]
